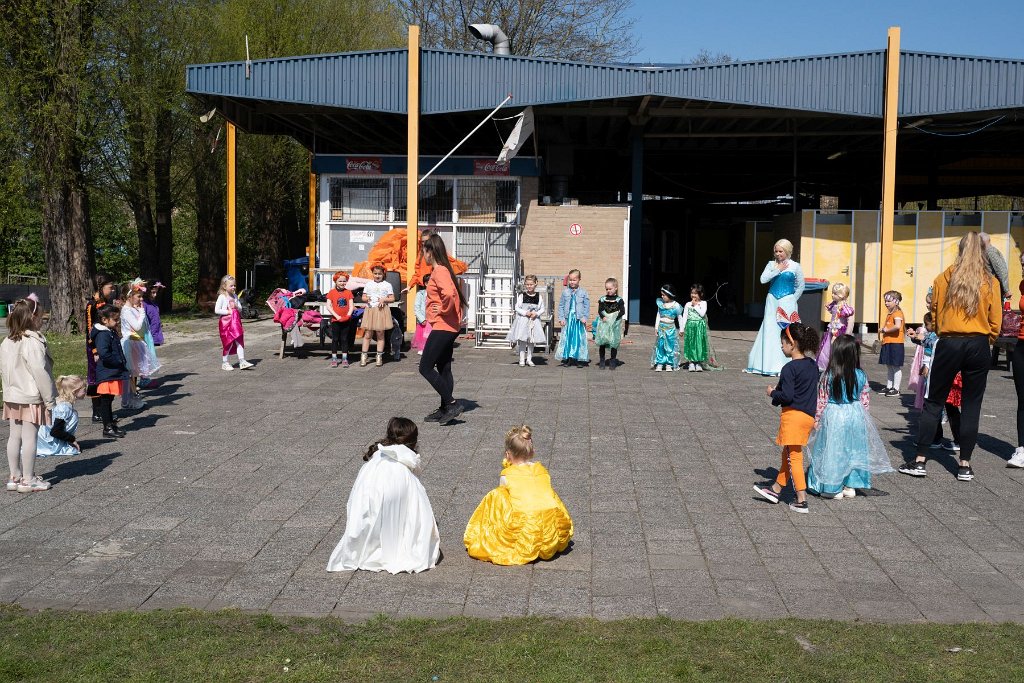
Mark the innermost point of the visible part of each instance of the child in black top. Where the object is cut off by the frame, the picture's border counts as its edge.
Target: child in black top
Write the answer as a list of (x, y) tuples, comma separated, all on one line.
[(797, 393), (609, 330), (111, 366)]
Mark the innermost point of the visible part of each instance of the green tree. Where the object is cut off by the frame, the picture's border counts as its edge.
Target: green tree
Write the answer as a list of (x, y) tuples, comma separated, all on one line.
[(45, 52)]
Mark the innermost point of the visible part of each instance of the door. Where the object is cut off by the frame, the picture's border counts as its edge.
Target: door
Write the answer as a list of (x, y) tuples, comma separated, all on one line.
[(833, 252)]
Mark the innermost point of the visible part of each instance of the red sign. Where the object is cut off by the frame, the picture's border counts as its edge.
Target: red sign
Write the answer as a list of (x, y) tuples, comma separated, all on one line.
[(362, 165), (575, 229), (489, 167)]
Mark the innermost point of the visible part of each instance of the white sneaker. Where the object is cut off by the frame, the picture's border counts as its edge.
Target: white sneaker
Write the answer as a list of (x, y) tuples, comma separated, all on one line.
[(837, 496), (659, 368), (669, 368), (529, 362), (698, 368), (36, 484), (849, 493), (226, 366), (12, 484), (522, 363), (244, 365), (1018, 458)]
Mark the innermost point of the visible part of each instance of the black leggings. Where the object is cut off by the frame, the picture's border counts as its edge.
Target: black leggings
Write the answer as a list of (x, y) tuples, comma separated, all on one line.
[(971, 357), (106, 402), (438, 353), (1017, 359), (339, 336), (600, 351)]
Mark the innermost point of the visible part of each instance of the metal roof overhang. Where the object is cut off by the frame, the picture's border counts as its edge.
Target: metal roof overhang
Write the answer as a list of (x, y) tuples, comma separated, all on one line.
[(720, 132)]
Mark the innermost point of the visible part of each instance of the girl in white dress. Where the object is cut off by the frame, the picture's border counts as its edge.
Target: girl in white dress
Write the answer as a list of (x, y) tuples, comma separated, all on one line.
[(527, 327), (137, 342), (390, 524)]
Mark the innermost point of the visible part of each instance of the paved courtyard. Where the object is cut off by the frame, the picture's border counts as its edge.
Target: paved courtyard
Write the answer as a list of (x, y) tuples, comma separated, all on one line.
[(230, 491)]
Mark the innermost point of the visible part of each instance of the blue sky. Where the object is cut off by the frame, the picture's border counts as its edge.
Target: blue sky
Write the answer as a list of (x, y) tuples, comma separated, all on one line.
[(676, 30)]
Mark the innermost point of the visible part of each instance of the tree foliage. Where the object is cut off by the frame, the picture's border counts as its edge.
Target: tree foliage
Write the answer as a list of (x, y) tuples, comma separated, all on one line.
[(581, 30)]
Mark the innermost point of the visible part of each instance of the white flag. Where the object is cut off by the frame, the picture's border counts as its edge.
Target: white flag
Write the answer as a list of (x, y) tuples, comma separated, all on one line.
[(518, 136)]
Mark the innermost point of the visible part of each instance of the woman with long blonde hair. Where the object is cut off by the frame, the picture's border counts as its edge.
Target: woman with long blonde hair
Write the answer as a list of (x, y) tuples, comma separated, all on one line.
[(966, 307)]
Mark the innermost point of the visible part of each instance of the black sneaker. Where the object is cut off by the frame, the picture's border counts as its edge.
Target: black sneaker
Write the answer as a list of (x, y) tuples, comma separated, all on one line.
[(600, 365), (767, 493), (965, 474), (97, 418), (799, 507), (914, 469), (891, 393), (453, 410), (435, 416), (564, 363)]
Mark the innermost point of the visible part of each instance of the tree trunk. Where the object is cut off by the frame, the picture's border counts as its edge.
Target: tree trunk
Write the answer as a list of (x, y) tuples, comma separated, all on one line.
[(139, 196), (211, 238), (164, 206), (67, 237)]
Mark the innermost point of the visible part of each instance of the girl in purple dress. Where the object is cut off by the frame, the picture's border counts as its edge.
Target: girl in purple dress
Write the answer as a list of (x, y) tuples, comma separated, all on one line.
[(841, 311)]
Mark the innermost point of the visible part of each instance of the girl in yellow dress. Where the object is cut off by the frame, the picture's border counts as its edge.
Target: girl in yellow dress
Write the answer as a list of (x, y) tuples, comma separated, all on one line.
[(523, 519)]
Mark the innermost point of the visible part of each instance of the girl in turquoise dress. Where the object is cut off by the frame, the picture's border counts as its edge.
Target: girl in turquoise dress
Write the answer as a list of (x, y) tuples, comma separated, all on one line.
[(845, 448), (573, 311), (787, 284), (670, 316)]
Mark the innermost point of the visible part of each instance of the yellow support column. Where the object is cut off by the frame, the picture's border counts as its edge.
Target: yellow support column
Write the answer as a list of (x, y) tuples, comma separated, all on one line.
[(412, 242), (231, 199), (312, 225), (890, 126)]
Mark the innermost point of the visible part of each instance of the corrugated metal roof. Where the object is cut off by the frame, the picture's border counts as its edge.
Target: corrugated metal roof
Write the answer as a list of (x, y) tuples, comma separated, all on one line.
[(847, 84)]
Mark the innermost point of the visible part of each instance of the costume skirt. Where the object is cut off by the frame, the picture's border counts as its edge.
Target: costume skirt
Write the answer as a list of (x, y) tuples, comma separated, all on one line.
[(499, 533), (572, 344), (766, 357), (34, 413), (917, 383), (113, 387), (419, 340), (892, 354), (695, 341), (794, 427), (666, 348), (609, 331), (527, 330), (377, 319), (845, 450), (231, 335)]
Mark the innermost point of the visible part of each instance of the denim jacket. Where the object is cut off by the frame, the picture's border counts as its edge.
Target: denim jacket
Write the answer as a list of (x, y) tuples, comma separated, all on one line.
[(582, 304)]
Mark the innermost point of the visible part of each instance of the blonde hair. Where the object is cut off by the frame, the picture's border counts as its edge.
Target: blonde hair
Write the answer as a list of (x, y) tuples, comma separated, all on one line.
[(224, 282), (577, 271), (842, 290), (519, 442), (969, 276), (530, 278), (67, 385), (614, 282), (786, 245)]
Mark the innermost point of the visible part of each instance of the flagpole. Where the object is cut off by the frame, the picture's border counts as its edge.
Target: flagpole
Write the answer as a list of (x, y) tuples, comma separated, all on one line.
[(486, 119)]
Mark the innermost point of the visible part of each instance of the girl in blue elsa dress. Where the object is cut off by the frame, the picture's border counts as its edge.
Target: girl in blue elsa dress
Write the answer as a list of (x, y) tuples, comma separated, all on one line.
[(573, 311), (845, 448), (787, 284), (670, 317)]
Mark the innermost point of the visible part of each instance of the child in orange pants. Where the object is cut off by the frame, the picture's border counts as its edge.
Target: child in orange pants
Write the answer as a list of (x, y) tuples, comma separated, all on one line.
[(797, 393)]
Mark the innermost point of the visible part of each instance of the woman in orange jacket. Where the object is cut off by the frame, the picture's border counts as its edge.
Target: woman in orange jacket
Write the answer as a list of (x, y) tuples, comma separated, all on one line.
[(445, 303), (966, 306)]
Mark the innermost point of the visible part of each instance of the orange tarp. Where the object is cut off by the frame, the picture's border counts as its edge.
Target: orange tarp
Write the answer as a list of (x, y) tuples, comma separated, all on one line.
[(389, 251)]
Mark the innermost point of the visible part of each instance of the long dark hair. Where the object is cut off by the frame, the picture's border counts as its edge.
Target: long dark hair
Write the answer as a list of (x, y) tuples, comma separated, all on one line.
[(401, 431), (803, 337), (439, 255), (842, 367)]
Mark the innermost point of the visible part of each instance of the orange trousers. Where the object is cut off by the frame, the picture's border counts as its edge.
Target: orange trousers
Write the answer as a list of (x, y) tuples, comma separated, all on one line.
[(792, 467), (794, 428)]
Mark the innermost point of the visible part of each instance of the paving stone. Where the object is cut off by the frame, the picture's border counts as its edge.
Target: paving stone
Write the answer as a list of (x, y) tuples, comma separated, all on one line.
[(655, 468)]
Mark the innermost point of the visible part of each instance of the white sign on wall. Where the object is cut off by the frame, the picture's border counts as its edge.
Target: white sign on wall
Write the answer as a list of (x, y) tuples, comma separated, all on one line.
[(575, 229), (363, 236)]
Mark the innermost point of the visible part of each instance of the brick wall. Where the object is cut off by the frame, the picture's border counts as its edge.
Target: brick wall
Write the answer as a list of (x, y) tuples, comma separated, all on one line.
[(549, 249)]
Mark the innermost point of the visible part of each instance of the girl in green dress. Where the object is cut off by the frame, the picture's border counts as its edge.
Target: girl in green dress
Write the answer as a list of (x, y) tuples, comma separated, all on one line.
[(696, 345)]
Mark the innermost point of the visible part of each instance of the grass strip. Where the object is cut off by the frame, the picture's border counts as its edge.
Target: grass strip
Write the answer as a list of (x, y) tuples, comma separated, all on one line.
[(182, 645)]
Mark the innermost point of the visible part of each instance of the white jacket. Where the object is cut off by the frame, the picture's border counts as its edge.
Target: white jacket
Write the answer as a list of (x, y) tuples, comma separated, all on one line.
[(27, 370)]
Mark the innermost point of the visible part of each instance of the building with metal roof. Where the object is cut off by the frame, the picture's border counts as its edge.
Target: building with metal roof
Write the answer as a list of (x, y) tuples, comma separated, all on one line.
[(725, 141)]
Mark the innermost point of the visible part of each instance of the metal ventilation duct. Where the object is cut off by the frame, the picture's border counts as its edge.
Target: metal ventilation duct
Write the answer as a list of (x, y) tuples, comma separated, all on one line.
[(493, 35)]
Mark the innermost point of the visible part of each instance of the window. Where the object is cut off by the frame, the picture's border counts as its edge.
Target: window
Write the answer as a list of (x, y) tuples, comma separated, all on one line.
[(359, 199)]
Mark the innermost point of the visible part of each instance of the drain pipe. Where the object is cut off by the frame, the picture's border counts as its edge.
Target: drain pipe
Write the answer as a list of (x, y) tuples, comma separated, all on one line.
[(493, 35)]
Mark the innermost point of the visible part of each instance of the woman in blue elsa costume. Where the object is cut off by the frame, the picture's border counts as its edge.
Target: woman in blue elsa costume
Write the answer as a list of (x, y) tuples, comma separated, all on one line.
[(787, 284), (670, 318), (573, 311)]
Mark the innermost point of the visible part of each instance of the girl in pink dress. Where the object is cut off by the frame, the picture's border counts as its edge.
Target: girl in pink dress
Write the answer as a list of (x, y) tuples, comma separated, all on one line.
[(841, 312)]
